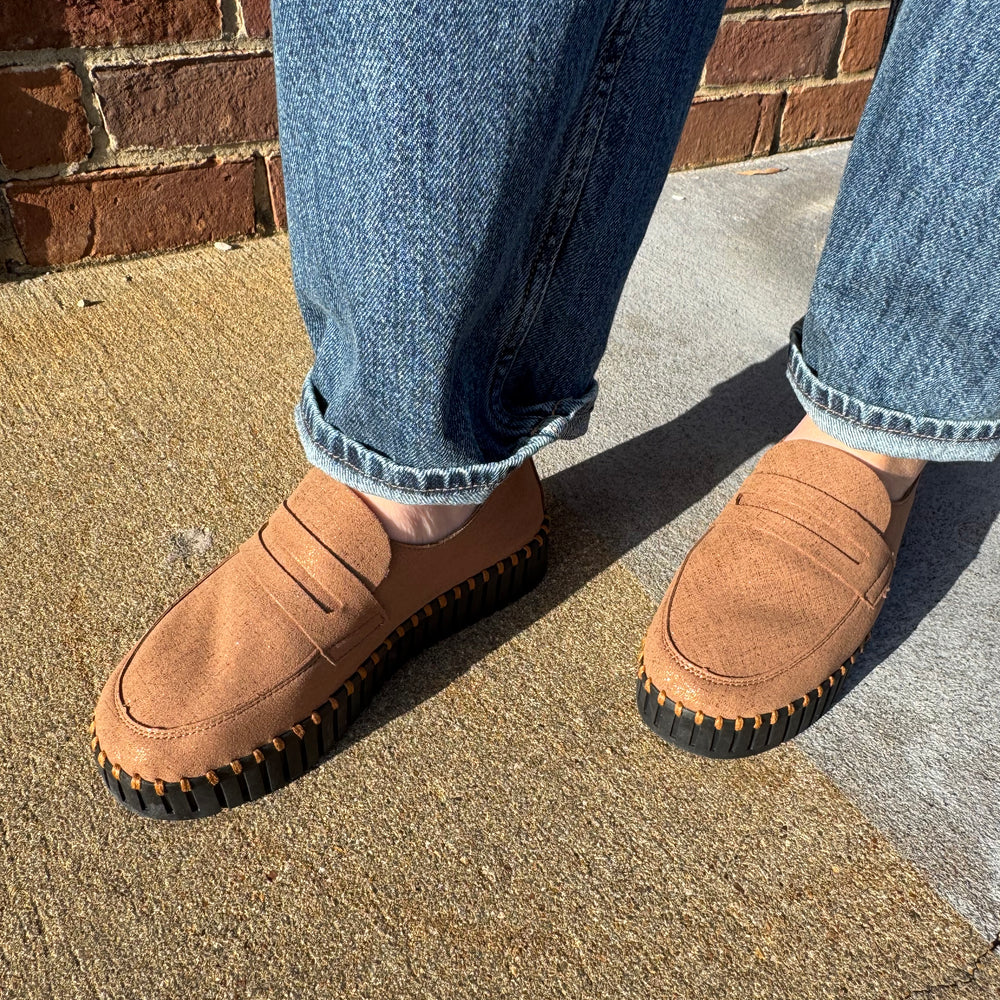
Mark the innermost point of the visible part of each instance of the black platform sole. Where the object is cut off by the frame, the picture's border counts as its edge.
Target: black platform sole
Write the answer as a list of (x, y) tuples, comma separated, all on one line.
[(721, 738), (314, 738)]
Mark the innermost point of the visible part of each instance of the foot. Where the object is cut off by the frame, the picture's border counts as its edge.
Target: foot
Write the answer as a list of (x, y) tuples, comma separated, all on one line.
[(769, 609), (897, 474), (418, 524), (253, 675)]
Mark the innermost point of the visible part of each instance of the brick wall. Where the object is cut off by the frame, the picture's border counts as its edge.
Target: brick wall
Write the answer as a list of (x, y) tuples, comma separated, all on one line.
[(129, 126)]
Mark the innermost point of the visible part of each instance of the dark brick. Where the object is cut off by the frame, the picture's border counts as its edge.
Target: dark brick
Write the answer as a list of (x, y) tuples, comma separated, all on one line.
[(863, 41), (821, 114), (276, 185), (189, 102), (42, 121), (257, 17), (40, 24), (773, 49), (122, 212)]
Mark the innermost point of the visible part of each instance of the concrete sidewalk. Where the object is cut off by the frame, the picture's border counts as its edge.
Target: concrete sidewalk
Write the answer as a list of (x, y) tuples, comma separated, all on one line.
[(499, 824)]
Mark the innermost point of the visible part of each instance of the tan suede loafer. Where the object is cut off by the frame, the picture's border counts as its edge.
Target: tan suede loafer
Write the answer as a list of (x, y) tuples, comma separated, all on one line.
[(252, 677), (757, 630)]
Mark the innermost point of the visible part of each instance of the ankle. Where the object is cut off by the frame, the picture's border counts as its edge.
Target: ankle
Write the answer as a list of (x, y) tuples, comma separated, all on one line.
[(897, 474), (418, 524)]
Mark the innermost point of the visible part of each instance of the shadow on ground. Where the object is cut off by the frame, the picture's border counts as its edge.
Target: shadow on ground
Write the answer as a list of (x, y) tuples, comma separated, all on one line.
[(650, 479)]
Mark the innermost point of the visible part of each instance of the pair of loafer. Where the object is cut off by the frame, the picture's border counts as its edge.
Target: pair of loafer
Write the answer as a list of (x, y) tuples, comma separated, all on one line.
[(252, 676)]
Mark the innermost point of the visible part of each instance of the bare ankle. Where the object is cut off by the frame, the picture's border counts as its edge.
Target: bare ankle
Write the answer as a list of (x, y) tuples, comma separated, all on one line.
[(897, 474), (418, 524)]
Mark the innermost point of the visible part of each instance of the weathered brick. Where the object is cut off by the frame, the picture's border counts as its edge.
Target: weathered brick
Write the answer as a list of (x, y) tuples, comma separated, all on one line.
[(42, 121), (276, 185), (40, 24), (257, 18), (774, 49), (719, 131), (819, 114), (121, 211), (863, 41), (767, 130), (744, 4), (189, 102)]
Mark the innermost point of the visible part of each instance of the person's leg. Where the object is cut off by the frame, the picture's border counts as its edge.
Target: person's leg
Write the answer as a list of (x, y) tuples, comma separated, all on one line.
[(467, 184), (897, 362), (899, 352)]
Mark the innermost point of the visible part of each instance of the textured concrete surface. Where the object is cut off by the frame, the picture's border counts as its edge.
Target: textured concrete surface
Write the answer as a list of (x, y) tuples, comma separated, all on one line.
[(499, 824)]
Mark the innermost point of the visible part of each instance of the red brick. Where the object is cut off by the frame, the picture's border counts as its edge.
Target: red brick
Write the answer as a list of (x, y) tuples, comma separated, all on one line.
[(719, 131), (820, 114), (782, 48), (42, 121), (40, 24), (767, 131), (257, 18), (121, 212), (863, 41), (276, 185), (189, 102)]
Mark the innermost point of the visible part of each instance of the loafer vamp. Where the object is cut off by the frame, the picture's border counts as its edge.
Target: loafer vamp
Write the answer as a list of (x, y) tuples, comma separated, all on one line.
[(750, 604), (782, 589)]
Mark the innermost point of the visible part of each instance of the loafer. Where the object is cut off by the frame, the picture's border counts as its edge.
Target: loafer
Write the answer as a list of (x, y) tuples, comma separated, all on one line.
[(251, 677), (772, 606)]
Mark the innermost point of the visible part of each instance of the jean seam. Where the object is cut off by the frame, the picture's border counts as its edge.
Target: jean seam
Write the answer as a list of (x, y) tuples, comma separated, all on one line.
[(887, 430), (803, 386), (379, 477), (570, 193)]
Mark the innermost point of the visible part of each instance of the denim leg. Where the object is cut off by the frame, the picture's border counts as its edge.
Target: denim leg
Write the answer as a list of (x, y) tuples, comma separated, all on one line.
[(467, 184), (899, 351)]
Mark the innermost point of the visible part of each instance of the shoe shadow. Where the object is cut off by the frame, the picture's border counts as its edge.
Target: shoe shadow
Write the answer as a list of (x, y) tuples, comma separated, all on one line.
[(608, 504), (955, 508), (653, 477)]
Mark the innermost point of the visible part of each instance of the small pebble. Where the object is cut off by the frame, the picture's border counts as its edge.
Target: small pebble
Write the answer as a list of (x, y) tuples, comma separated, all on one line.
[(678, 197), (220, 245)]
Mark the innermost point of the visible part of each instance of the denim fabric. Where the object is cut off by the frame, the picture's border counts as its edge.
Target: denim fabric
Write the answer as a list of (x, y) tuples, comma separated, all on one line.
[(899, 351), (467, 183)]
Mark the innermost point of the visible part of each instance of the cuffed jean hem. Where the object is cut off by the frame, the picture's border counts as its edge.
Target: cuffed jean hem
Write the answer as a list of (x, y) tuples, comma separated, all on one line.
[(887, 432), (363, 469)]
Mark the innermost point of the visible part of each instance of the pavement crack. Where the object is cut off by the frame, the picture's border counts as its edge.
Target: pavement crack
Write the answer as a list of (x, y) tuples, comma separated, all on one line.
[(967, 977)]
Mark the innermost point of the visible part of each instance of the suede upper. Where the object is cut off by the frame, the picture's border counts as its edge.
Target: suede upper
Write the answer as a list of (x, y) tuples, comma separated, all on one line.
[(268, 635), (782, 589)]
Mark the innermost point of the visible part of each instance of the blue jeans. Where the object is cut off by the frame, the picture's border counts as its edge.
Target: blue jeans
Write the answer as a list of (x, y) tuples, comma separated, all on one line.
[(468, 182)]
